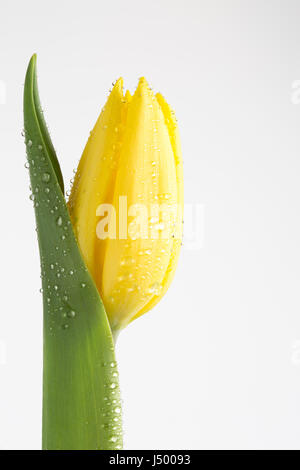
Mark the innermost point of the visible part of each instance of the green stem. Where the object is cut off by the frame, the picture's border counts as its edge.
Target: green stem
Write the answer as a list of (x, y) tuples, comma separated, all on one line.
[(81, 402)]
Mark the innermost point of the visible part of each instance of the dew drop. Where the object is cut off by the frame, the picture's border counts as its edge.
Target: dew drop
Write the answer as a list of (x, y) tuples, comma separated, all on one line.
[(127, 261), (155, 288), (45, 177)]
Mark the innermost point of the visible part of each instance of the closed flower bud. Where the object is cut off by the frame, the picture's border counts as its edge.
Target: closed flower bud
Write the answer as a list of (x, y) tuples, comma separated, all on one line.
[(126, 202)]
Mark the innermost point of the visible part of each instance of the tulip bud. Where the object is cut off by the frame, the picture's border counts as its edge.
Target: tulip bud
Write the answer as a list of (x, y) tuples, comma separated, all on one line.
[(126, 202)]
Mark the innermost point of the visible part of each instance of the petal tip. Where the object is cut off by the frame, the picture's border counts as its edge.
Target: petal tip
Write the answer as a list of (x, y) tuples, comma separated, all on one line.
[(118, 86), (128, 96), (143, 88)]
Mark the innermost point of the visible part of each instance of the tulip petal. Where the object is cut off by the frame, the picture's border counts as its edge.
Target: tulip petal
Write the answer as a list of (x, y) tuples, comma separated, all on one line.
[(172, 126), (95, 178), (135, 268)]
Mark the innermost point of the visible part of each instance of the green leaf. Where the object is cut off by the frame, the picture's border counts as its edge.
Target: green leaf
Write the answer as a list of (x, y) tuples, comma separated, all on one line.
[(40, 121), (81, 397)]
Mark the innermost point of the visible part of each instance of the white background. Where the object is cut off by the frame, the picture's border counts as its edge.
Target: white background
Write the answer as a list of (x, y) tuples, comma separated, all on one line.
[(217, 363)]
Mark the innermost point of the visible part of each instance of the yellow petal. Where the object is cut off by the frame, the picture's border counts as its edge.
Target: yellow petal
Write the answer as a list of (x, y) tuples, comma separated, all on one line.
[(134, 269), (95, 177), (172, 126), (128, 96)]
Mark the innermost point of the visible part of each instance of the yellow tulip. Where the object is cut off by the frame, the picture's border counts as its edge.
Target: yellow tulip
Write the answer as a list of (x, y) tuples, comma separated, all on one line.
[(132, 163)]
